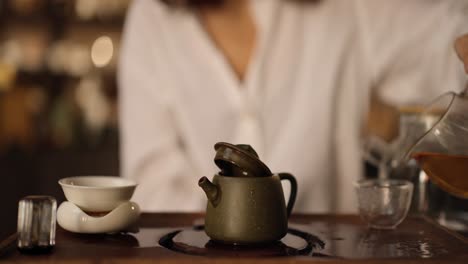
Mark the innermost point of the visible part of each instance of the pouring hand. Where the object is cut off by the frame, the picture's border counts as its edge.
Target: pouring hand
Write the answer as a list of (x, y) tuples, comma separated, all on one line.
[(461, 46)]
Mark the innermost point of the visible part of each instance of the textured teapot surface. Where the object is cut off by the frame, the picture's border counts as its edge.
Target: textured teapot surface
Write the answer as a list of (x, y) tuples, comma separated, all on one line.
[(245, 200), (249, 210)]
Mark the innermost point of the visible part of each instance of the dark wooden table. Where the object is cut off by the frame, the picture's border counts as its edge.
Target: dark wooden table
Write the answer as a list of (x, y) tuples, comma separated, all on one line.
[(346, 240)]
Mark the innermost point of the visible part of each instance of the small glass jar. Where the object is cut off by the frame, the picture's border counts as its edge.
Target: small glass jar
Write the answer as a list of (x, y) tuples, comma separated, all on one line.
[(36, 224)]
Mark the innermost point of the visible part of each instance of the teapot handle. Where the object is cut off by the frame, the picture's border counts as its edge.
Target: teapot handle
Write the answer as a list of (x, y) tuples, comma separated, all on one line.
[(292, 195)]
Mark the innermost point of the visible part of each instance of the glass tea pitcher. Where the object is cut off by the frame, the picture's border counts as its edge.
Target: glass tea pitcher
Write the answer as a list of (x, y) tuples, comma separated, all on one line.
[(442, 152)]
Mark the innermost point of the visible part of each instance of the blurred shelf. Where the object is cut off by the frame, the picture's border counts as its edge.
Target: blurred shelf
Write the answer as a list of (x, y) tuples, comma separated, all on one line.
[(41, 163)]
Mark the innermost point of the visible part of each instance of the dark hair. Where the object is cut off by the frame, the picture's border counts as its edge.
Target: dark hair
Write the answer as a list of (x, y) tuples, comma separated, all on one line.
[(214, 3), (193, 3)]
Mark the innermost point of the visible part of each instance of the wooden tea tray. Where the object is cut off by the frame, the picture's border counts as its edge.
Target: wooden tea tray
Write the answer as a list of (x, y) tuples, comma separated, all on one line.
[(346, 240)]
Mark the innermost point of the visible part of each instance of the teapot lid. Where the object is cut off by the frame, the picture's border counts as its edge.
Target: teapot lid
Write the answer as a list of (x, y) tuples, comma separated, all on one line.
[(239, 161)]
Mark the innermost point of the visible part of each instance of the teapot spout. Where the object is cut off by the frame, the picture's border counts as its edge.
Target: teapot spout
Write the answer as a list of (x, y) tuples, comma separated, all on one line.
[(210, 189)]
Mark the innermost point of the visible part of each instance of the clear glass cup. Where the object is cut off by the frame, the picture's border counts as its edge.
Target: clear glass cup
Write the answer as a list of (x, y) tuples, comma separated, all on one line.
[(383, 204)]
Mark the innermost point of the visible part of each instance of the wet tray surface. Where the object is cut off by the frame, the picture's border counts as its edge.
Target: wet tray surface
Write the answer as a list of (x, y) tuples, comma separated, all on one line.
[(178, 238), (194, 241)]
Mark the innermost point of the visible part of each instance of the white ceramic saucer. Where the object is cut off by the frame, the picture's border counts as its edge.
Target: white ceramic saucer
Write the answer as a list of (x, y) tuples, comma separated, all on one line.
[(70, 217)]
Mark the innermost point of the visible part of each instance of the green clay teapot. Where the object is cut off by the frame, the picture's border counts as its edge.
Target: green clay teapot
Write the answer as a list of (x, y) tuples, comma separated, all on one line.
[(245, 200)]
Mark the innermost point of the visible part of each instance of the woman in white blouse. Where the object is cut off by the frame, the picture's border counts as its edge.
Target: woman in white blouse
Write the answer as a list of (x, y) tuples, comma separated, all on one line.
[(292, 78)]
